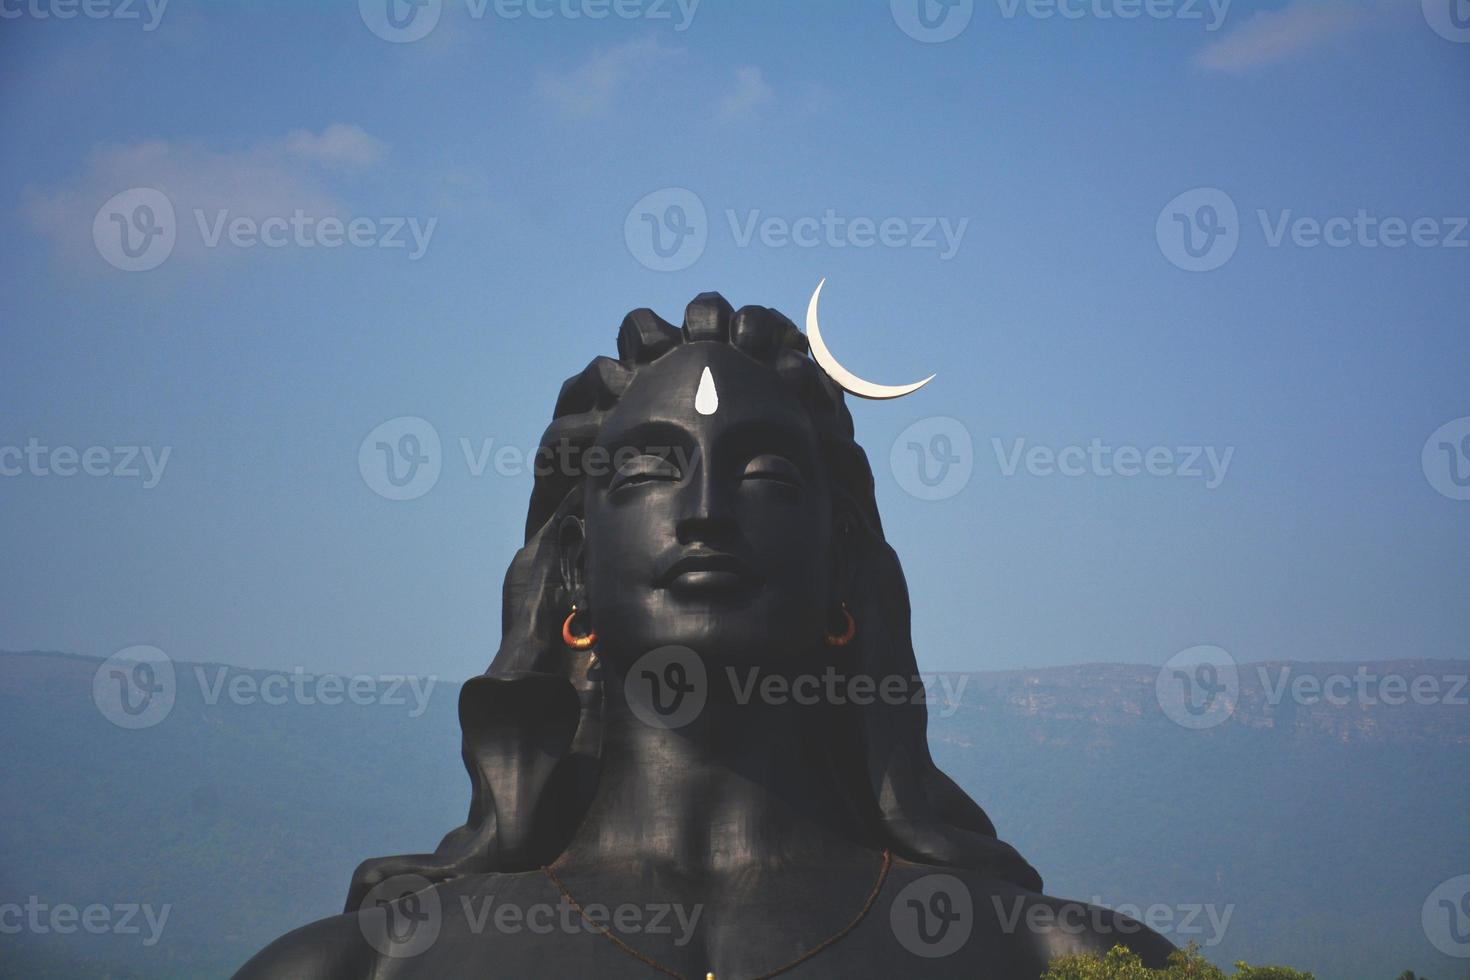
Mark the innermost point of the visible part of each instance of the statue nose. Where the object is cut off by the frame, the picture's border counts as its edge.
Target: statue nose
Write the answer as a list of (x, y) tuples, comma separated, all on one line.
[(708, 529), (705, 511)]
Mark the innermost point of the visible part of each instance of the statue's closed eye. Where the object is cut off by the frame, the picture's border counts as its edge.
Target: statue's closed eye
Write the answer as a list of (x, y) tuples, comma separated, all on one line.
[(775, 468), (645, 468)]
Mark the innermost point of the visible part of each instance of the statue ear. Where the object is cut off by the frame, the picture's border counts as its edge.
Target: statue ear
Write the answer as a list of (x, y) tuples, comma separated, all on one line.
[(572, 544)]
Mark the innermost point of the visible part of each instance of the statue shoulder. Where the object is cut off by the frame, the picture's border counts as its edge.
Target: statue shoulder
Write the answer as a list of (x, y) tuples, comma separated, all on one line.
[(423, 931), (331, 949), (1055, 927)]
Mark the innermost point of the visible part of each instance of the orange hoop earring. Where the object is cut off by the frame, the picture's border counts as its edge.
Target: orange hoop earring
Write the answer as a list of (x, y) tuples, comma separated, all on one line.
[(576, 642), (845, 637)]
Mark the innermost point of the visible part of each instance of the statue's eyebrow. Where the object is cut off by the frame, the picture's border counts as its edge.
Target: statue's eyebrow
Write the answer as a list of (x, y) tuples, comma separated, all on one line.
[(648, 434), (769, 435)]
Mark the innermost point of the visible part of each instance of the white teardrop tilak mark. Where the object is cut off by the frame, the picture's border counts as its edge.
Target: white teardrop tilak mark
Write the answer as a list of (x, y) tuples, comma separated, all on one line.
[(706, 399)]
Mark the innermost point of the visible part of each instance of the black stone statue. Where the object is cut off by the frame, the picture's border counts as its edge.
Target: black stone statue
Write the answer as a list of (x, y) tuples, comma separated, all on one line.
[(701, 748)]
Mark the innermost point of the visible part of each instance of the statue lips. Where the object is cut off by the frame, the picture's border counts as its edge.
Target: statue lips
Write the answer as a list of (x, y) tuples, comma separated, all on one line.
[(701, 573)]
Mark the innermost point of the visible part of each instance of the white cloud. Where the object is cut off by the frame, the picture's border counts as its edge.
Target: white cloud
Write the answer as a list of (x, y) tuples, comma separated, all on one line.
[(269, 178), (1273, 36), (597, 83), (339, 144), (750, 94)]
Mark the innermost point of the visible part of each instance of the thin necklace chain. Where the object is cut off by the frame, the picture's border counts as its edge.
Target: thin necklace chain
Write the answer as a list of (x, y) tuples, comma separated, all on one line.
[(650, 961)]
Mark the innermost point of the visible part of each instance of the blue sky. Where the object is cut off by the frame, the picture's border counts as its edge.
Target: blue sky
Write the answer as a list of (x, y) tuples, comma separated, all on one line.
[(525, 151)]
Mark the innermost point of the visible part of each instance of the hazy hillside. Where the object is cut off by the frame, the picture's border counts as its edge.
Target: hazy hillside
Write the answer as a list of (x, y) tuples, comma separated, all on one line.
[(1318, 830), (1324, 828)]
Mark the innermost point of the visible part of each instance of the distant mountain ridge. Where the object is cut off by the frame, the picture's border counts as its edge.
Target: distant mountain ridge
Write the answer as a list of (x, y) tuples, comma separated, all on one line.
[(1112, 694), (1314, 831)]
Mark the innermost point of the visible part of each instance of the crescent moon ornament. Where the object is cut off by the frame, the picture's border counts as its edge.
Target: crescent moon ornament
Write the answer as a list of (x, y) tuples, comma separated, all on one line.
[(841, 375)]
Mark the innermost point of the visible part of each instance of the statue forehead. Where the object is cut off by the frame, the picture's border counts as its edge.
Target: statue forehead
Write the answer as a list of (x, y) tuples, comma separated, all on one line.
[(707, 383)]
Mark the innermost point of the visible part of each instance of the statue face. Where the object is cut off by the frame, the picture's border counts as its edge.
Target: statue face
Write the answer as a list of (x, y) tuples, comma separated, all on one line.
[(715, 533)]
